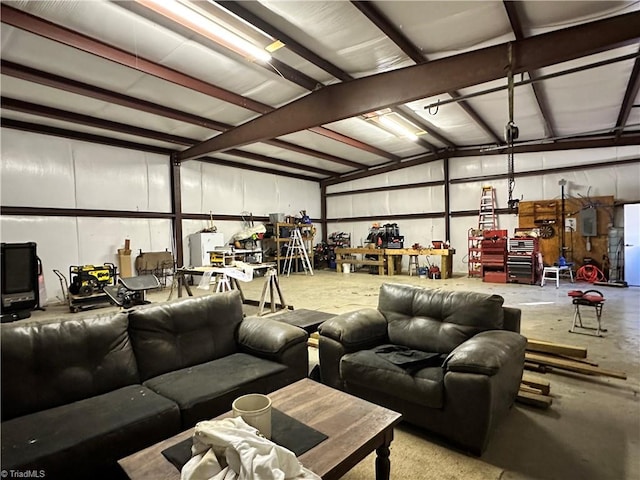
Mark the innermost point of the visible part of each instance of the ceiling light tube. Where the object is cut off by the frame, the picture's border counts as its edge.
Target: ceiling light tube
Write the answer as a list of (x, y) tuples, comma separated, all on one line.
[(397, 128), (187, 17)]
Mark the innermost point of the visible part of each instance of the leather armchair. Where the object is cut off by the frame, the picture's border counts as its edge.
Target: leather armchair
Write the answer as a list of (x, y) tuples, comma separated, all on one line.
[(465, 396)]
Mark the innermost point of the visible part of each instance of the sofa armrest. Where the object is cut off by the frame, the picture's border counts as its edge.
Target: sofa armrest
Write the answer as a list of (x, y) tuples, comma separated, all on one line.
[(267, 338), (512, 318), (355, 330), (487, 352), (344, 334)]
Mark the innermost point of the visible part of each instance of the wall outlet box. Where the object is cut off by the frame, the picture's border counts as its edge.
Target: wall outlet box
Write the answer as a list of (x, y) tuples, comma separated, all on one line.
[(570, 224)]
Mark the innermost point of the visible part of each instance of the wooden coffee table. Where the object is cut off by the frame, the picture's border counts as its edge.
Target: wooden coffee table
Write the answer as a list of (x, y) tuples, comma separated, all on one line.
[(354, 428)]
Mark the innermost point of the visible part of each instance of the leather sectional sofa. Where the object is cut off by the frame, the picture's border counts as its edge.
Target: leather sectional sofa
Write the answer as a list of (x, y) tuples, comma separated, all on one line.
[(78, 394), (449, 361)]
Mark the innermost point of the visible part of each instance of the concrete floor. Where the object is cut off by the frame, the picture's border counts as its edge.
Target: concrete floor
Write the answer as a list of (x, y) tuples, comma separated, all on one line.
[(592, 430)]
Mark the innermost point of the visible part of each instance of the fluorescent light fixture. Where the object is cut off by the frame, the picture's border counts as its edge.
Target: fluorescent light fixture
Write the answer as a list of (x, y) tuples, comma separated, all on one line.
[(397, 128), (184, 15)]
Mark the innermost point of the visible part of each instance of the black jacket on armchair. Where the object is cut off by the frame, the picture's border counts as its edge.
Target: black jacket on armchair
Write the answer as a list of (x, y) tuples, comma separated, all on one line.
[(462, 396)]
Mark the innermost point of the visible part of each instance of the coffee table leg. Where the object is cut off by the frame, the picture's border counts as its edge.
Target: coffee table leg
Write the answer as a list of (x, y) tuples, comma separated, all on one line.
[(383, 464)]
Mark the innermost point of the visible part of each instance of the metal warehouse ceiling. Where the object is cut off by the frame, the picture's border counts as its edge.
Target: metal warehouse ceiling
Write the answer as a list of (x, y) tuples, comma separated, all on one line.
[(328, 90)]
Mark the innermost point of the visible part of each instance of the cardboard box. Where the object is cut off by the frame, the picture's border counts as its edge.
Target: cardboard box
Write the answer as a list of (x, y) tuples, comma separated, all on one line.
[(124, 260)]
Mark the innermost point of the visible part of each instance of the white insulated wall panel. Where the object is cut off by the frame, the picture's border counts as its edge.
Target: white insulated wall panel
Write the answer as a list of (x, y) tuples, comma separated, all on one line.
[(36, 171), (229, 191), (222, 190), (191, 187), (158, 183), (100, 238), (393, 202), (109, 178), (45, 171), (466, 167), (296, 195), (429, 172), (627, 183)]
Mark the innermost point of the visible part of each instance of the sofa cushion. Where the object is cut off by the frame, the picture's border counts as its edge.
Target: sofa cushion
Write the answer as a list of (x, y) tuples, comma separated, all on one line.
[(207, 390), (370, 370), (175, 335), (83, 436), (436, 320), (53, 363)]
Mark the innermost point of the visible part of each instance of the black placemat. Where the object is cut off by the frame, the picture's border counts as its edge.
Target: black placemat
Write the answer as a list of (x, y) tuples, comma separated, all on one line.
[(285, 431), (306, 319)]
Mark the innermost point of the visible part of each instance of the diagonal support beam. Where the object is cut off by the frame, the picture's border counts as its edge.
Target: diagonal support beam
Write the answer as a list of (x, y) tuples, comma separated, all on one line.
[(629, 97), (30, 23), (73, 86), (16, 105), (348, 99), (382, 22)]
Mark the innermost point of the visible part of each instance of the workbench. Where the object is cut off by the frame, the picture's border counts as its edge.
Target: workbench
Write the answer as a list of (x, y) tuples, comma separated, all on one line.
[(389, 259), (356, 256), (445, 254)]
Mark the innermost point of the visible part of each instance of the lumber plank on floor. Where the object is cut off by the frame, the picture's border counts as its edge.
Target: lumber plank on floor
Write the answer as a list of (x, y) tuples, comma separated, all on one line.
[(538, 383), (572, 366), (534, 399), (524, 388), (535, 367), (543, 346)]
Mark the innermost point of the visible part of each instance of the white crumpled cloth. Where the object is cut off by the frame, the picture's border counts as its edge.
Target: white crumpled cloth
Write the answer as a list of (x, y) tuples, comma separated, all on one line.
[(230, 449)]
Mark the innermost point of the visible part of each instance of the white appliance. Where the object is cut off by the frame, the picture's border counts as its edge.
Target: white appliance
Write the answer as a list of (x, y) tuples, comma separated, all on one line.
[(200, 244), (632, 244)]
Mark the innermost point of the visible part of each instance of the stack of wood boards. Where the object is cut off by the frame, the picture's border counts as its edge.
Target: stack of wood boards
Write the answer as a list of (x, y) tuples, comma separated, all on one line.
[(534, 391), (543, 357)]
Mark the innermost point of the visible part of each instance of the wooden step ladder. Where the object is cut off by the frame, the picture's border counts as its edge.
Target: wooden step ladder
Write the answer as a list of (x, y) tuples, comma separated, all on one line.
[(487, 211)]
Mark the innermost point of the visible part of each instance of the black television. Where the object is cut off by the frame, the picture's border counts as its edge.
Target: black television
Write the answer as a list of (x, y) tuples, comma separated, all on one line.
[(19, 265)]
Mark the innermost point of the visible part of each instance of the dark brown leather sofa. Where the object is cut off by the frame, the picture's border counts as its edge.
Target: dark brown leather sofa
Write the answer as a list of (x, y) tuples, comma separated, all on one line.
[(461, 395), (78, 394)]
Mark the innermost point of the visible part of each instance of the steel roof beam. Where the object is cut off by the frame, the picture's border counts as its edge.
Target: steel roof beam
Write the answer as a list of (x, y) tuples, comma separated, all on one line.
[(66, 116), (362, 95), (543, 105), (311, 57), (629, 97), (237, 9), (377, 18), (89, 121), (51, 31), (85, 137), (62, 83)]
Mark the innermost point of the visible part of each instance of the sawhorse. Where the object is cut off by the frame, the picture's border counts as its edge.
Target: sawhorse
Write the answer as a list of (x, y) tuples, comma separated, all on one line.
[(271, 285)]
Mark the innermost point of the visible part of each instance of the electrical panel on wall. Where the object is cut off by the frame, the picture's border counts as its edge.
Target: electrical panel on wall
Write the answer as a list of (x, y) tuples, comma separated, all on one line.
[(589, 222)]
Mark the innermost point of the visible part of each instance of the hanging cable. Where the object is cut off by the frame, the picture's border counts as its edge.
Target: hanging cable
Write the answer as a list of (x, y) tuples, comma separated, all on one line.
[(511, 134)]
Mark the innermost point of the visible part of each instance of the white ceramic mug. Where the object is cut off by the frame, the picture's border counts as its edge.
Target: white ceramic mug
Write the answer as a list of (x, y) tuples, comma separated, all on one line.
[(255, 409)]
